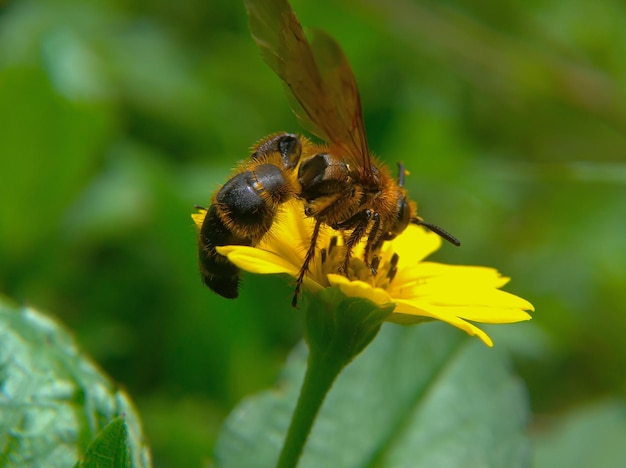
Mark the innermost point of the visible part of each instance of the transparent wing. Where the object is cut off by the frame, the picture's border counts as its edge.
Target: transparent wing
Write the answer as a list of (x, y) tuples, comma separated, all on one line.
[(326, 98)]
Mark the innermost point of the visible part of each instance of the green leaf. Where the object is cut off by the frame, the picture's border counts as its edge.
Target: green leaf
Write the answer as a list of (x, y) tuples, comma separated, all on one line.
[(53, 400), (422, 396), (590, 436), (110, 449)]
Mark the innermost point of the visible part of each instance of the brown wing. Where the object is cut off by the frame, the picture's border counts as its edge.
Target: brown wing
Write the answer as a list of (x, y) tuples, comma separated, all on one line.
[(327, 101)]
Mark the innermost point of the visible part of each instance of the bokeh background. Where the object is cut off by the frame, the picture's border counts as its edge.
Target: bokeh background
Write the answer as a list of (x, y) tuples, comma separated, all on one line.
[(116, 117)]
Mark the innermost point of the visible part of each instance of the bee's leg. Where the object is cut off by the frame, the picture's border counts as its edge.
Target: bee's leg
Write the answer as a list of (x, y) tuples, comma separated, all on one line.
[(375, 264), (393, 266), (373, 240), (355, 236), (307, 260), (360, 221)]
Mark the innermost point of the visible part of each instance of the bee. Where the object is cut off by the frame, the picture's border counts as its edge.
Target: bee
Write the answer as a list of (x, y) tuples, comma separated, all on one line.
[(243, 209), (341, 184)]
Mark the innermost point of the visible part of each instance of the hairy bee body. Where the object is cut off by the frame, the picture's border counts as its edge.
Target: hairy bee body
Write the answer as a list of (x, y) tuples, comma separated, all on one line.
[(243, 209)]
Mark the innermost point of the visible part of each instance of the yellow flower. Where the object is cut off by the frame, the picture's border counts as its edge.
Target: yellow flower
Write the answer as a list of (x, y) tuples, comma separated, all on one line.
[(420, 290)]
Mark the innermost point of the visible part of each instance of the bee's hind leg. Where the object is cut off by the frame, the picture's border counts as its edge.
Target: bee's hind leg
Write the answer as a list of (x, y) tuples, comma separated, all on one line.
[(310, 254)]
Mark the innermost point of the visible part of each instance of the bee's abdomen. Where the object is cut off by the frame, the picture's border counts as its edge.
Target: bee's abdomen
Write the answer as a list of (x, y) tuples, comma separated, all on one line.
[(242, 213), (217, 272), (249, 201)]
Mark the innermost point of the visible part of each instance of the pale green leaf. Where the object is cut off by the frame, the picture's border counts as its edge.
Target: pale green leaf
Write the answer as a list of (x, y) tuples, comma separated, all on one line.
[(424, 396), (53, 400)]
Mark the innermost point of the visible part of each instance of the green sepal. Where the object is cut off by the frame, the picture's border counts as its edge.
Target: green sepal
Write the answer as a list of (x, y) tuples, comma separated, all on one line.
[(338, 327)]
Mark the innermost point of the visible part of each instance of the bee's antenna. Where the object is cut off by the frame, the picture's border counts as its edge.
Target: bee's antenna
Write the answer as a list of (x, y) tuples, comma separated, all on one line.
[(401, 174), (437, 230)]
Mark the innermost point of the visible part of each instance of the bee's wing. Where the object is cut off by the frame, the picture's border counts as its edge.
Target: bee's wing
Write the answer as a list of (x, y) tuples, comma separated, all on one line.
[(326, 97)]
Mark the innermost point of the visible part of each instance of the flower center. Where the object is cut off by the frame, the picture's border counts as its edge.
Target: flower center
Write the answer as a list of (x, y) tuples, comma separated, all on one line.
[(380, 273)]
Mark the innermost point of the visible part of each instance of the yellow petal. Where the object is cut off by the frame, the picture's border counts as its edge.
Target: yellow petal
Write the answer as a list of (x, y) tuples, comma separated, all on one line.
[(256, 260), (490, 314), (480, 313), (479, 296), (407, 313), (198, 218), (286, 247), (443, 281), (461, 274), (360, 289), (290, 235), (414, 244)]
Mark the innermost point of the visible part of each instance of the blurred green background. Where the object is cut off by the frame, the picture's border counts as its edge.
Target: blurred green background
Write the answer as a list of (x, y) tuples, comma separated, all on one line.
[(117, 117)]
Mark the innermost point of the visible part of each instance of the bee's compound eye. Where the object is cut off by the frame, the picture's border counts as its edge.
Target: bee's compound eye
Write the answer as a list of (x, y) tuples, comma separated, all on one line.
[(313, 169), (290, 149)]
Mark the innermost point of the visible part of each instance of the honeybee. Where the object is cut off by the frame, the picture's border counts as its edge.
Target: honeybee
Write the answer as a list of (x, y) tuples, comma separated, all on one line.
[(340, 184)]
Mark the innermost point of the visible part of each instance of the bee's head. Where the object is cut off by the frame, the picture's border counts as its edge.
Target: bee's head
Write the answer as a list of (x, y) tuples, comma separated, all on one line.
[(404, 214)]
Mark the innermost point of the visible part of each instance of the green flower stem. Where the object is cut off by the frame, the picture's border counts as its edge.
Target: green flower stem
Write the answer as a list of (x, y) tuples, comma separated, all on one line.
[(337, 329), (319, 378)]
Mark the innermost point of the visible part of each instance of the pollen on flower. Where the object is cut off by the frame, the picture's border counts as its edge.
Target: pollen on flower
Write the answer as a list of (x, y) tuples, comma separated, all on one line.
[(379, 274)]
